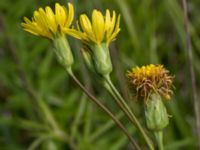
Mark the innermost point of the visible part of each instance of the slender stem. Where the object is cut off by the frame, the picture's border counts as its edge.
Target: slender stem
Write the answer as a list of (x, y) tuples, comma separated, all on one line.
[(192, 74), (104, 108), (159, 139), (126, 109)]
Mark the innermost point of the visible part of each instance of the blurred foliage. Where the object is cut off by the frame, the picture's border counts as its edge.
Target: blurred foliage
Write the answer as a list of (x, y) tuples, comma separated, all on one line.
[(152, 31)]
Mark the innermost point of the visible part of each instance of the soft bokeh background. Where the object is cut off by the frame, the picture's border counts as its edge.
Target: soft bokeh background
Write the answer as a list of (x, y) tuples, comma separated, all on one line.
[(152, 31)]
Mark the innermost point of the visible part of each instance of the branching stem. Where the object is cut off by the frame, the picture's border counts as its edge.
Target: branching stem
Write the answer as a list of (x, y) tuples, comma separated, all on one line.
[(126, 109), (104, 108)]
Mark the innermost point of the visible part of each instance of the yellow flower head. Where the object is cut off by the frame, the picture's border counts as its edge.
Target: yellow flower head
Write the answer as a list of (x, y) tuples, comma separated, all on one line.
[(101, 29), (151, 78), (47, 23)]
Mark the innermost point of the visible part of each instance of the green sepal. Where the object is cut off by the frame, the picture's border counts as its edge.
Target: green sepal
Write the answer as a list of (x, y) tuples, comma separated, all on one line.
[(63, 51), (156, 113), (101, 59)]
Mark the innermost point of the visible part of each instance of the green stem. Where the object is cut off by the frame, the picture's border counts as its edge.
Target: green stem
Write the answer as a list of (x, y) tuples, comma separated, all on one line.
[(159, 139), (104, 108), (126, 109)]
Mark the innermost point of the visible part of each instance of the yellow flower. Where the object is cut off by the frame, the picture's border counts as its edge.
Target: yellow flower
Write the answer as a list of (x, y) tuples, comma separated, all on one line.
[(149, 79), (47, 23), (101, 29)]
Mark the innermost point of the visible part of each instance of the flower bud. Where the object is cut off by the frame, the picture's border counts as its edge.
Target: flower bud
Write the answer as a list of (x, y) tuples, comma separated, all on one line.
[(87, 58), (63, 51), (155, 113), (101, 58)]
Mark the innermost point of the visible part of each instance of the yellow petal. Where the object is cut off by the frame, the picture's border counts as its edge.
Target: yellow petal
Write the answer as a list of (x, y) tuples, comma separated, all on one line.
[(43, 18), (70, 15), (116, 31), (42, 22), (27, 20), (113, 20), (87, 27), (98, 25), (60, 15), (118, 23), (111, 26), (107, 20), (32, 28), (85, 23), (74, 33), (36, 17), (78, 27), (51, 19), (31, 31)]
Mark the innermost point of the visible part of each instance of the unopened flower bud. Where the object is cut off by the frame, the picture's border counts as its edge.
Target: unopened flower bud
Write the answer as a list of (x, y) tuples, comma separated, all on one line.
[(87, 58)]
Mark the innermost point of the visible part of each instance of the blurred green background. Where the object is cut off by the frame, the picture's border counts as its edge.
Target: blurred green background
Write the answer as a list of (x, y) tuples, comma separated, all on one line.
[(152, 31)]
